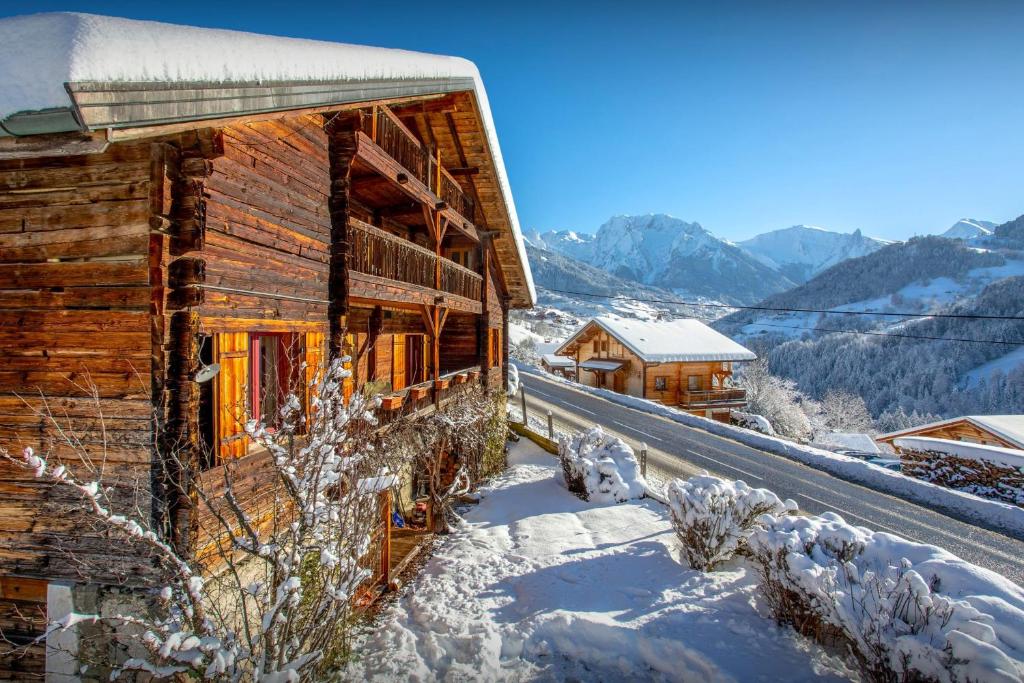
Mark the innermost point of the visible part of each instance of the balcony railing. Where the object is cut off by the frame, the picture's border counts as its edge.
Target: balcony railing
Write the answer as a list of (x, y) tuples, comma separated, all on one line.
[(388, 131), (711, 396), (379, 253), (412, 399)]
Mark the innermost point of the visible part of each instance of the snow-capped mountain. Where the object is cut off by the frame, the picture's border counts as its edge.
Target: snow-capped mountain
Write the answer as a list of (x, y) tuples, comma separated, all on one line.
[(666, 252), (969, 228), (803, 251)]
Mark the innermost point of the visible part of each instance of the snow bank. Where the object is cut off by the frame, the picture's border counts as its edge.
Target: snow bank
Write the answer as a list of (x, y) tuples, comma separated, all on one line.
[(758, 423), (600, 468), (713, 517), (957, 504), (537, 585), (903, 607), (1006, 457)]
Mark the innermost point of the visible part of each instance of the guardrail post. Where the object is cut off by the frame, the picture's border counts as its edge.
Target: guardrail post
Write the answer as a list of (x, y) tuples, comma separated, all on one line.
[(522, 394), (551, 426), (643, 459)]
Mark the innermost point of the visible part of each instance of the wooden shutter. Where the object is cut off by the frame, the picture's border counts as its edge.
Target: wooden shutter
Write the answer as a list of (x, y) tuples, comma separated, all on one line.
[(314, 359), (231, 350), (398, 363), (490, 347), (348, 386)]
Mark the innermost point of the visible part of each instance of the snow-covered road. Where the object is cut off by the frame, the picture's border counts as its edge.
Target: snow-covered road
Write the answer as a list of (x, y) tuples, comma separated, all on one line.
[(539, 585), (680, 451)]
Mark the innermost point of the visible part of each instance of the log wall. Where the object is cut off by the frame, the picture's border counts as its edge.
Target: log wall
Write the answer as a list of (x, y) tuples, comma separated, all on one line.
[(75, 302), (960, 430)]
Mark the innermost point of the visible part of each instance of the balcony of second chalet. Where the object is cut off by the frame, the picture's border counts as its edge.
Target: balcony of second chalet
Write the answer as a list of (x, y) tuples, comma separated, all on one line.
[(730, 397), (386, 267)]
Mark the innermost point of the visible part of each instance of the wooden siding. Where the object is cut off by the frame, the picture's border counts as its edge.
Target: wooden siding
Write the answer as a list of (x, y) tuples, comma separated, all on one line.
[(22, 620), (75, 297), (268, 228), (960, 430)]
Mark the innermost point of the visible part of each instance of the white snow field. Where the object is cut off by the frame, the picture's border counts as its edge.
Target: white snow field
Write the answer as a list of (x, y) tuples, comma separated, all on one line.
[(536, 584)]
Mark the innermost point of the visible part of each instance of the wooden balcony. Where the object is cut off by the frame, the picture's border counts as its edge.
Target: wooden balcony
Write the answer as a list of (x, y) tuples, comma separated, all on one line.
[(385, 267), (712, 397), (383, 132)]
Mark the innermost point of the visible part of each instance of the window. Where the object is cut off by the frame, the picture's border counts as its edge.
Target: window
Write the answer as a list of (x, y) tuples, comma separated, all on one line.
[(464, 257), (597, 346), (273, 367), (661, 383), (694, 383), (604, 346)]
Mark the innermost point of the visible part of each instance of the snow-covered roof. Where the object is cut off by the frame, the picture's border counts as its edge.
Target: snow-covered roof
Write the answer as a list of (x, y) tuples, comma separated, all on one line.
[(1008, 427), (45, 59), (598, 364), (556, 361), (669, 341), (1007, 457)]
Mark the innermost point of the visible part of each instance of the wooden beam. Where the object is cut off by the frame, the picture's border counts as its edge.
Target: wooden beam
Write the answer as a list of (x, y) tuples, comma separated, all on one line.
[(467, 170)]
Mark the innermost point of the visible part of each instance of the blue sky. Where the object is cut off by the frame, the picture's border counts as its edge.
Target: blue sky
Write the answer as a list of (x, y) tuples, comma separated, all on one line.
[(897, 118)]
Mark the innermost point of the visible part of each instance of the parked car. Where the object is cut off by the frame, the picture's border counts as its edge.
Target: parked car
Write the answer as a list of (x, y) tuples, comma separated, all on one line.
[(893, 464)]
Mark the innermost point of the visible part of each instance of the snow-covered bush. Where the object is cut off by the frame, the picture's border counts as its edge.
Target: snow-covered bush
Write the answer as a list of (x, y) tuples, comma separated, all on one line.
[(904, 611), (513, 380), (281, 603), (599, 467), (713, 517), (756, 423)]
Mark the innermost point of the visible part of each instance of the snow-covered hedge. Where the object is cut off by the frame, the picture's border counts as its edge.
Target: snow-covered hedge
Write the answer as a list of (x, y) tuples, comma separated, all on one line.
[(713, 517), (905, 611), (513, 380), (757, 423), (599, 467)]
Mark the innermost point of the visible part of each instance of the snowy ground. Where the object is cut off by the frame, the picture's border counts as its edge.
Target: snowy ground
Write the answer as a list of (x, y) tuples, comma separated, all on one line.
[(539, 585)]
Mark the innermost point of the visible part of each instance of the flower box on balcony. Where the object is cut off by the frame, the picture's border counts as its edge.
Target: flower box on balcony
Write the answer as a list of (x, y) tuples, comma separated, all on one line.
[(474, 375), (461, 378), (442, 384), (391, 401), (417, 393)]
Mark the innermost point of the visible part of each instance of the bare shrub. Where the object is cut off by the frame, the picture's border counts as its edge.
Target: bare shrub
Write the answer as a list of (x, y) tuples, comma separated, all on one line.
[(280, 605), (713, 517)]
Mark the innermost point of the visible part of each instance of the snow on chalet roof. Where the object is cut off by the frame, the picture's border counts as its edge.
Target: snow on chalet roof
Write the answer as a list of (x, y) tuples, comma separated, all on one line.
[(41, 55), (1009, 427), (670, 341)]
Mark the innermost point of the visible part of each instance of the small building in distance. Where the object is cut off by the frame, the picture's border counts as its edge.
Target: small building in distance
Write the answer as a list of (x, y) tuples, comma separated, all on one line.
[(1005, 431), (559, 365), (680, 363)]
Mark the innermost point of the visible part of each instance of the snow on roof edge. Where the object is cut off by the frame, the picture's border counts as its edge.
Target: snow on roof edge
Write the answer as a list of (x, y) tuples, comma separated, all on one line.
[(605, 323), (979, 421), (40, 53)]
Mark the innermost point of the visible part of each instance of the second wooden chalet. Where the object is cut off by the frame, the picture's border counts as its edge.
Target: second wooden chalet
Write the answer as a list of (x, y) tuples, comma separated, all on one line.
[(1005, 431), (681, 363), (173, 198)]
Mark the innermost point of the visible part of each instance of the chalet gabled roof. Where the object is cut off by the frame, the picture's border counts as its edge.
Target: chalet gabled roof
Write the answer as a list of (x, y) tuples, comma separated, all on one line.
[(667, 341), (1008, 427), (70, 72)]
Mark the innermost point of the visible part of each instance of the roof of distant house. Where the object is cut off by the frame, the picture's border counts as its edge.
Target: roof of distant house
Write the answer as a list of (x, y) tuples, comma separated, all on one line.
[(556, 361), (1008, 427), (669, 341), (59, 71)]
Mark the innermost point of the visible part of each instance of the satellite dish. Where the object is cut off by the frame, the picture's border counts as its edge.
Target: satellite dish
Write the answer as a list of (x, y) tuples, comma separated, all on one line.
[(207, 372)]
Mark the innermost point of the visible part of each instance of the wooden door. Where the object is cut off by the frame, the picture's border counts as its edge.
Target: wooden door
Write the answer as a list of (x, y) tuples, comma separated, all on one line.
[(398, 363), (619, 382), (231, 351)]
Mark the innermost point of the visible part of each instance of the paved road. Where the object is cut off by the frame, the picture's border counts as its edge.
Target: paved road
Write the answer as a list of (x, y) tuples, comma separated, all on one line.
[(675, 450)]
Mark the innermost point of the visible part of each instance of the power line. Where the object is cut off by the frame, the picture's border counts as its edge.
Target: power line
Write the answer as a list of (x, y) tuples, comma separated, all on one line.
[(955, 316), (896, 334)]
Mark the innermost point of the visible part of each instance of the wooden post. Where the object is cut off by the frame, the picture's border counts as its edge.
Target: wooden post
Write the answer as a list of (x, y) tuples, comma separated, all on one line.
[(643, 459), (385, 552), (522, 395), (551, 426), (342, 144)]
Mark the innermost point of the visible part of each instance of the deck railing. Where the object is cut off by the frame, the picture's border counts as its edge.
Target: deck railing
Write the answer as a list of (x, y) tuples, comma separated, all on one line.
[(379, 253), (709, 396), (388, 131)]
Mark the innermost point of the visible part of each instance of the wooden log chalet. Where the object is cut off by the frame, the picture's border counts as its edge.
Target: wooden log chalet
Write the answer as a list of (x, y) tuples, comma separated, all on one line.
[(680, 363), (277, 201)]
